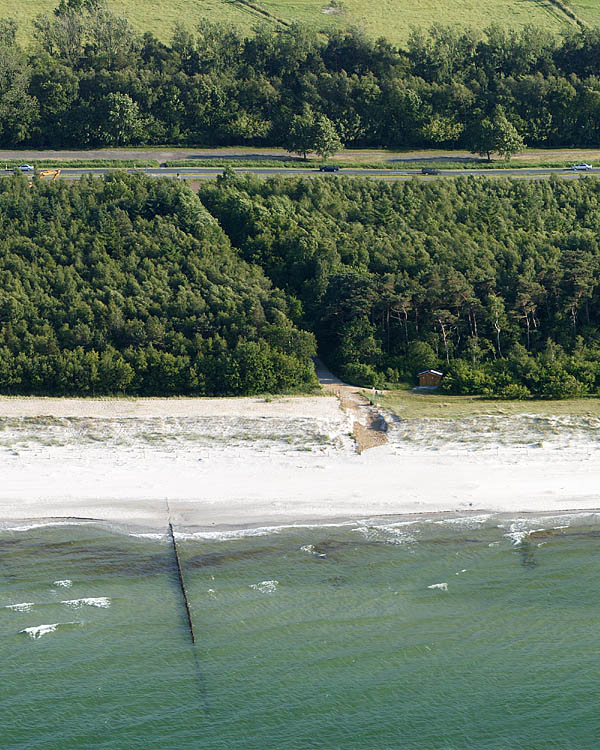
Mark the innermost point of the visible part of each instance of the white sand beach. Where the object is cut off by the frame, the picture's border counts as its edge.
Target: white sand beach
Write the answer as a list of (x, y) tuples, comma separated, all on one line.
[(219, 463)]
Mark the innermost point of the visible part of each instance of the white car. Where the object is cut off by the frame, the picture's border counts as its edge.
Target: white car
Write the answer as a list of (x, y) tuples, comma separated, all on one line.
[(581, 167), (25, 168)]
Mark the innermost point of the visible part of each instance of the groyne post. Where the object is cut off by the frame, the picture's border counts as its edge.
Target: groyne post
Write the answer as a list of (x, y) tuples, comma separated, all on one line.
[(182, 584)]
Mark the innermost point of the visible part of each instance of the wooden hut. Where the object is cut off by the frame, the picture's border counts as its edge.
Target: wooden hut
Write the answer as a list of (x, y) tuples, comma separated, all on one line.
[(429, 378)]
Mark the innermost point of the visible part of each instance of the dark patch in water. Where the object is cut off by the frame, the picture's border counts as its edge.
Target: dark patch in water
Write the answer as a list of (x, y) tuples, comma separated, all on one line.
[(329, 546), (336, 581), (106, 560), (455, 540), (527, 553), (9, 543), (546, 533), (213, 559), (592, 534)]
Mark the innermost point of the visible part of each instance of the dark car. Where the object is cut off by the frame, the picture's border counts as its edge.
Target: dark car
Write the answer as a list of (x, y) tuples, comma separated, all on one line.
[(430, 170), (329, 168)]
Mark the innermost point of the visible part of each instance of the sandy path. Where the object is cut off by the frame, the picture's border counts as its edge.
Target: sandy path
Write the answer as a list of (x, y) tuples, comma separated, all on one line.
[(368, 423)]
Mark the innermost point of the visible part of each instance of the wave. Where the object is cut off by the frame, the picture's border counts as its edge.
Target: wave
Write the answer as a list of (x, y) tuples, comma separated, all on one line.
[(98, 601), (21, 607), (467, 522), (441, 586), (389, 533), (65, 583), (521, 528), (37, 631), (226, 535), (265, 587), (42, 524)]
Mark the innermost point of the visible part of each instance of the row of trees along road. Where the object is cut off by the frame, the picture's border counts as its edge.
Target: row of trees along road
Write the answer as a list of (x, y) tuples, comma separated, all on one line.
[(87, 79)]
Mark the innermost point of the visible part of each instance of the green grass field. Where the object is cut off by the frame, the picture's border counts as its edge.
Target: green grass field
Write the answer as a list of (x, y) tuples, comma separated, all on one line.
[(410, 404), (389, 18), (587, 10)]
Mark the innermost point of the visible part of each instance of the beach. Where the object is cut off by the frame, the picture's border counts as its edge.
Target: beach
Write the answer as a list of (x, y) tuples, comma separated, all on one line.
[(220, 464), (439, 587)]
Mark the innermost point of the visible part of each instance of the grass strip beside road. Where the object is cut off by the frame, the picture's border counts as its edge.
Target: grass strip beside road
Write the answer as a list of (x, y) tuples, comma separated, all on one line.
[(395, 164)]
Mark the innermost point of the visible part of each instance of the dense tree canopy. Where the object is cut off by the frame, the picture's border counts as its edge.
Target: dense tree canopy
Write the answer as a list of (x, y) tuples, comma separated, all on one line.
[(127, 284), (87, 79), (494, 281), (135, 285)]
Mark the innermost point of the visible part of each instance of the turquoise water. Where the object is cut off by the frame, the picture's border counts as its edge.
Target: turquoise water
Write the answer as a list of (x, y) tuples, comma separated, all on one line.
[(326, 637)]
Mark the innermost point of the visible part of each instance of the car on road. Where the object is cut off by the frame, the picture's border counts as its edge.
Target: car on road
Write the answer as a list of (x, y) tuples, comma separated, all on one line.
[(25, 168), (581, 167), (329, 168), (430, 170)]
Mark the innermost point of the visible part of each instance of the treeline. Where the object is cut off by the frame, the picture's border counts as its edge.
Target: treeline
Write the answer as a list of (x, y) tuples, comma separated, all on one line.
[(128, 285), (86, 79), (496, 282)]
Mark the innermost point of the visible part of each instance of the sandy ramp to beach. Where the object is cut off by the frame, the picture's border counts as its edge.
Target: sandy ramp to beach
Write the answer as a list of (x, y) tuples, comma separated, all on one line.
[(245, 462)]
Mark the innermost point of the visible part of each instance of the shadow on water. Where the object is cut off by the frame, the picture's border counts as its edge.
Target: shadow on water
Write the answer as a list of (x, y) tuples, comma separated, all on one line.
[(526, 552)]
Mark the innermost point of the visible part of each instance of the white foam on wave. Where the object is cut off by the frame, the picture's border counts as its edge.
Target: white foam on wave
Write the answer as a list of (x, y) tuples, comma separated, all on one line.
[(66, 583), (37, 631), (390, 533), (226, 535), (440, 586), (21, 607), (519, 530), (308, 548), (265, 587), (467, 522), (150, 535), (42, 524), (98, 601)]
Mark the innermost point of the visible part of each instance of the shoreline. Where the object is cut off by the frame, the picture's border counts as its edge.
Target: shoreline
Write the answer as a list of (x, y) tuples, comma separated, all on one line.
[(227, 532)]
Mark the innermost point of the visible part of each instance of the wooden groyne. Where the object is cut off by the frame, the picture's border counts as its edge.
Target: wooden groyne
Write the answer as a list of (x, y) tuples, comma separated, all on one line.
[(182, 584)]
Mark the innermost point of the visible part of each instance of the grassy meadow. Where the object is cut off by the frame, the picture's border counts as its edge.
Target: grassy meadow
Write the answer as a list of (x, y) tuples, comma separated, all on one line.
[(587, 10), (392, 19), (410, 404)]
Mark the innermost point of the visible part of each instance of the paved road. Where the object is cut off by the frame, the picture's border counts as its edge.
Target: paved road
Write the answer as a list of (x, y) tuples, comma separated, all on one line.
[(195, 173)]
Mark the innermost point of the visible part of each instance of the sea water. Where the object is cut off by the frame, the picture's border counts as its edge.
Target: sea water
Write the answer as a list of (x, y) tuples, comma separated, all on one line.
[(431, 633)]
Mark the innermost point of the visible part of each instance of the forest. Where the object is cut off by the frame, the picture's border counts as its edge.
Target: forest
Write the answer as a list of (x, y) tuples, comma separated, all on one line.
[(136, 285), (86, 79), (128, 285), (495, 282)]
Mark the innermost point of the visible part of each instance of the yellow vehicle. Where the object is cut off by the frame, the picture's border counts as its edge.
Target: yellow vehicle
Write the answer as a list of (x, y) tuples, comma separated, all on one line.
[(48, 172)]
